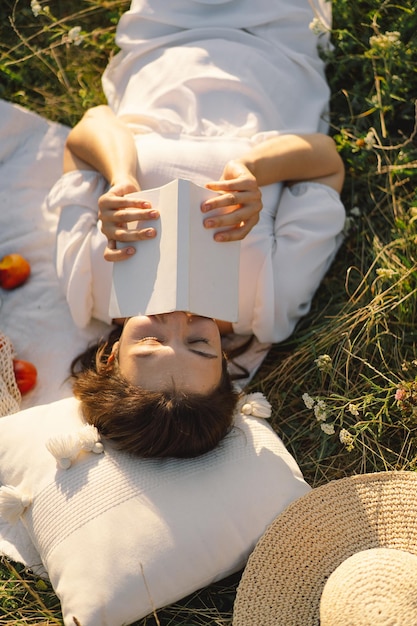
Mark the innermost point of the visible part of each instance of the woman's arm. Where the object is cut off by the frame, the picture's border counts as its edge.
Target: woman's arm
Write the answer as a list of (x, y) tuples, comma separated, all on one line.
[(101, 142), (294, 158), (285, 158)]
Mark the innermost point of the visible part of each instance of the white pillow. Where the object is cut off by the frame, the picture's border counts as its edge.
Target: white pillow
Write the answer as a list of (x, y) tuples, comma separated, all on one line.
[(118, 535)]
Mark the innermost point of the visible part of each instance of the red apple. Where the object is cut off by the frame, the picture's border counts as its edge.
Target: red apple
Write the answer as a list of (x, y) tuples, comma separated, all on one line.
[(14, 271), (25, 374)]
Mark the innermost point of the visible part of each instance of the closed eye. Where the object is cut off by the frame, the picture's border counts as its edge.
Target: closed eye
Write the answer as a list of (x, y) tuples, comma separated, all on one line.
[(198, 340), (206, 355), (150, 340), (203, 353)]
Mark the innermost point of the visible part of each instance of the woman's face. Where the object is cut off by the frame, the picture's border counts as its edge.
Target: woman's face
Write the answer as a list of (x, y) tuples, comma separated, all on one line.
[(180, 350)]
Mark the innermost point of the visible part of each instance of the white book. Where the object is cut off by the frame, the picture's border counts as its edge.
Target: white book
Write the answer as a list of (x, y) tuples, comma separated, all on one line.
[(182, 268)]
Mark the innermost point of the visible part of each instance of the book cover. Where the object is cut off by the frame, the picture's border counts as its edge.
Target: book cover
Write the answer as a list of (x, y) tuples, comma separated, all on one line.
[(182, 268)]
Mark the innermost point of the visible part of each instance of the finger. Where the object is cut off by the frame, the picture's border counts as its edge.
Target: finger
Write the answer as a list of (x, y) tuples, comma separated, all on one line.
[(223, 200), (237, 233), (122, 200), (109, 206), (241, 183), (229, 201), (121, 254), (129, 214), (126, 235), (114, 254), (233, 218)]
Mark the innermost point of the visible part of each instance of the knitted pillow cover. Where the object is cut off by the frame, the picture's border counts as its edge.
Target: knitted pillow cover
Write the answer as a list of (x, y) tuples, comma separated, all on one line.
[(118, 535)]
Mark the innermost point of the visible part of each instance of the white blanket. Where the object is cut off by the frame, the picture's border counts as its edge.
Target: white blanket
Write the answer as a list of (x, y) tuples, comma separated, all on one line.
[(35, 316)]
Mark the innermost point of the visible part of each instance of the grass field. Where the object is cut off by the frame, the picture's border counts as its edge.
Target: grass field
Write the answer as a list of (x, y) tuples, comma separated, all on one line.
[(344, 387)]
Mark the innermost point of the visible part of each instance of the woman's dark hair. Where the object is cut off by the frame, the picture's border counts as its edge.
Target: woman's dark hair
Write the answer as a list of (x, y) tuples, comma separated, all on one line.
[(149, 423)]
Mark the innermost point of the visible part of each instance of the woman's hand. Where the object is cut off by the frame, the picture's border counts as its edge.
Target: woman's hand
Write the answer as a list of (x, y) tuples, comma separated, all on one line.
[(236, 210), (117, 214)]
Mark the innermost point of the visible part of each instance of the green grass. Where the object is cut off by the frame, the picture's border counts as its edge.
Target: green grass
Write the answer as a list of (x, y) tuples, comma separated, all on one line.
[(355, 354)]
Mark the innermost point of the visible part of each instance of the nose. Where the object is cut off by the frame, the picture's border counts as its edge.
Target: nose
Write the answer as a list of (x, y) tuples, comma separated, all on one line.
[(177, 322), (177, 317)]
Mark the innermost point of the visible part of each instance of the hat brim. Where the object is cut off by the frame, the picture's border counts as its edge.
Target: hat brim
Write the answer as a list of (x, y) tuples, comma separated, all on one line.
[(285, 575)]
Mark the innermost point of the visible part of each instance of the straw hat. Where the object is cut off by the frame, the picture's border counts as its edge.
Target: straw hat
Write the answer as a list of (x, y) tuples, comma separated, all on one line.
[(345, 554)]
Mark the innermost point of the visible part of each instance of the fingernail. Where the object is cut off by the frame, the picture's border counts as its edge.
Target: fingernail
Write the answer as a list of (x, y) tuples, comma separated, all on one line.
[(154, 214), (209, 223), (219, 237), (150, 232), (130, 251)]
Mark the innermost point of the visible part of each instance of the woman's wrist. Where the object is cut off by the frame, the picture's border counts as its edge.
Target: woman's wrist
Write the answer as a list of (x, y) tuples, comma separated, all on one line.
[(125, 180), (249, 162)]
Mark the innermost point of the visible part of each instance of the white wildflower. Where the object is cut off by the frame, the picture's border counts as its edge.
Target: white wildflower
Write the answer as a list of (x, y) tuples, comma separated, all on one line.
[(308, 400), (385, 41), (370, 140), (317, 27), (350, 219), (385, 272), (353, 409), (327, 428), (255, 404), (348, 225), (320, 411), (346, 439), (74, 36), (324, 363), (36, 7)]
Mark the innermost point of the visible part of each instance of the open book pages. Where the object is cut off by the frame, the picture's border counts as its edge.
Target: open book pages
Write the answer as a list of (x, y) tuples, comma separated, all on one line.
[(182, 268)]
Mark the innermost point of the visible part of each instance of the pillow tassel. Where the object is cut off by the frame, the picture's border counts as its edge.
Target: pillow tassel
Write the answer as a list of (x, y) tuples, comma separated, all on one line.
[(90, 439), (255, 404), (66, 447), (13, 503)]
